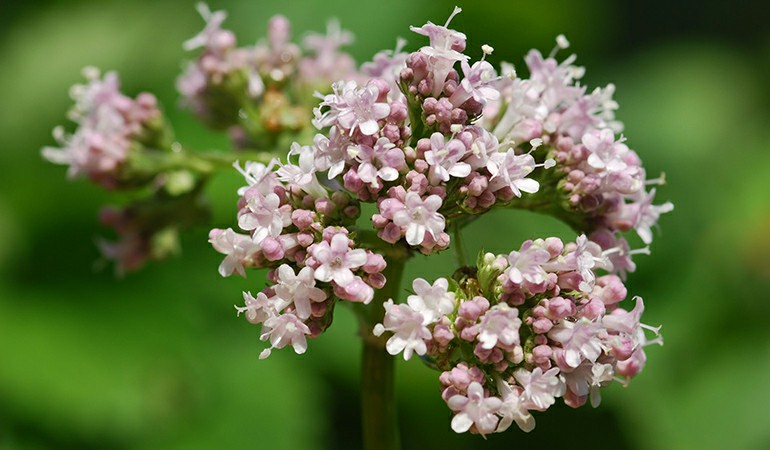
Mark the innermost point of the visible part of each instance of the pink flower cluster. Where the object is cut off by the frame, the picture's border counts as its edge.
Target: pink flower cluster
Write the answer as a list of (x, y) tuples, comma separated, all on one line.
[(524, 329), (297, 230), (109, 124), (451, 167), (599, 178)]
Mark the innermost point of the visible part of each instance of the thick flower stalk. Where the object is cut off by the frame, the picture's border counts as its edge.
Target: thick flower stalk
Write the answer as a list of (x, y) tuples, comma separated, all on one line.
[(431, 140)]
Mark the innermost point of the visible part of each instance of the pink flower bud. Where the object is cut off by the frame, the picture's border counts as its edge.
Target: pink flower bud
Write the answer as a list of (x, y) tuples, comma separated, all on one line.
[(272, 249), (542, 325)]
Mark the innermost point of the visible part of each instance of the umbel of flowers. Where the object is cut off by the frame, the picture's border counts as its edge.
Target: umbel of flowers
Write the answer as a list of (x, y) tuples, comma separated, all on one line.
[(431, 140), (434, 147)]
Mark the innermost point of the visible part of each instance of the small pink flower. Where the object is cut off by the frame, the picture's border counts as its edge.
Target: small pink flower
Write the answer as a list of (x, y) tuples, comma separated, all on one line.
[(510, 170), (444, 159), (283, 330), (513, 408), (420, 216), (336, 260), (500, 325), (579, 340), (352, 108)]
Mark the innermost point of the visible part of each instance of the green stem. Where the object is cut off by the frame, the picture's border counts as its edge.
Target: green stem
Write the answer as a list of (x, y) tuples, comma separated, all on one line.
[(149, 163), (378, 402), (457, 243)]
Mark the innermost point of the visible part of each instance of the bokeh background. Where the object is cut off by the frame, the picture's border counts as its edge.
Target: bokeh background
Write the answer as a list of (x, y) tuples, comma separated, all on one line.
[(158, 360)]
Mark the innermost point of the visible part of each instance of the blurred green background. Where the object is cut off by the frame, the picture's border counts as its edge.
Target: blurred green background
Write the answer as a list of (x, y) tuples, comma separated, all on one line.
[(158, 360)]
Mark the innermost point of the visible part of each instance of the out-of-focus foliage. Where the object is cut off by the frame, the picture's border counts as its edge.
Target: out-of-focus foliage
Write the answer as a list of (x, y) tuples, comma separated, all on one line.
[(159, 361)]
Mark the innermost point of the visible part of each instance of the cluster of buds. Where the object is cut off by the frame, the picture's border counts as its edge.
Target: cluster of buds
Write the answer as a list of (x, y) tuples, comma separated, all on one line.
[(520, 330), (262, 92)]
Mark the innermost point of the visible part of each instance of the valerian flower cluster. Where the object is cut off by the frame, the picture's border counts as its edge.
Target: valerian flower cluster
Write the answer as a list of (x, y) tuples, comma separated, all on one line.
[(431, 140)]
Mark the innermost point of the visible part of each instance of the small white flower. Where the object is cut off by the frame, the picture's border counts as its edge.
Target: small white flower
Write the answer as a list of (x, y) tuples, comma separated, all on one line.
[(527, 264), (298, 289), (432, 301), (510, 170), (444, 159), (303, 174), (513, 408), (475, 409), (540, 389)]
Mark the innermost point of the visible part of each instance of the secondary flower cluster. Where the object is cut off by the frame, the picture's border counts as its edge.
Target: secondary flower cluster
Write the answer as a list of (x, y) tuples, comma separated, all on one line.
[(296, 229), (260, 92), (109, 126), (520, 331), (598, 181)]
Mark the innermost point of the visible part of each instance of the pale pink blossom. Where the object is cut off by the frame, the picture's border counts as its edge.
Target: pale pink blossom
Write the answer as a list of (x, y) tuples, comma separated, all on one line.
[(409, 332), (588, 257), (336, 260), (513, 408), (475, 409), (258, 175), (540, 389), (352, 108), (331, 153), (580, 340), (263, 215), (298, 289), (420, 216), (476, 84), (285, 329), (238, 247), (382, 161), (302, 174), (444, 159), (499, 326), (606, 153), (527, 264), (510, 170), (260, 308)]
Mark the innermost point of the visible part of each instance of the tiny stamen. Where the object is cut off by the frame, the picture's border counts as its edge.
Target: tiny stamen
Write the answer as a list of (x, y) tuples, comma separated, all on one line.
[(456, 11)]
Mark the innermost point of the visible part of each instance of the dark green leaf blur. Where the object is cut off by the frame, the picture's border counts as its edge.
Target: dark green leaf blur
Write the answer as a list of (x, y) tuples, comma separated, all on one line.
[(158, 359)]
